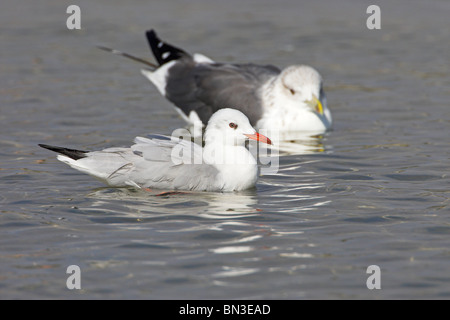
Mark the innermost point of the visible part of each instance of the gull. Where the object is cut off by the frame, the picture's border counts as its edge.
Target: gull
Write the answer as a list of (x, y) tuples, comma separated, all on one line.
[(289, 100), (222, 165)]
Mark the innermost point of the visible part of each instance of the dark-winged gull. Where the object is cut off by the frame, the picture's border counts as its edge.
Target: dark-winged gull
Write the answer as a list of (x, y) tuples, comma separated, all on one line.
[(223, 164), (291, 99)]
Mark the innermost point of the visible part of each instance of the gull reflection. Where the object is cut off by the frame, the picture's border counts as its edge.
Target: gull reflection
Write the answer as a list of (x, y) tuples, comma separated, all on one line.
[(291, 143), (159, 203)]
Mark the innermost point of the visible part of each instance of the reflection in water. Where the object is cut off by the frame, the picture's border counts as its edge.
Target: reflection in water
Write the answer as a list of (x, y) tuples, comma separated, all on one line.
[(162, 202), (234, 272), (286, 144), (300, 143)]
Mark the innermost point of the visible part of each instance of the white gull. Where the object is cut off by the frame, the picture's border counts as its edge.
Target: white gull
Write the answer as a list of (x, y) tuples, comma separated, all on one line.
[(223, 164)]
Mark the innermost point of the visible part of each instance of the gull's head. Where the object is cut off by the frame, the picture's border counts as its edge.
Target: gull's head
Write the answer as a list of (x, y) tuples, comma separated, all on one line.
[(301, 86), (231, 127)]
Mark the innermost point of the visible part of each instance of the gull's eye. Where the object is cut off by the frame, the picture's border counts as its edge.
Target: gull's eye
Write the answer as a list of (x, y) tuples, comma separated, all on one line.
[(233, 125), (292, 91)]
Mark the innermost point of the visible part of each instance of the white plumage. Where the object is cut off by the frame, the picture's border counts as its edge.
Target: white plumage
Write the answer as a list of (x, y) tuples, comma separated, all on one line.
[(224, 164)]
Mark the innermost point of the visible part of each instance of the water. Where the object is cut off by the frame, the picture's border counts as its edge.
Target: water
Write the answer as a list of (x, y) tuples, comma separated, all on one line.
[(374, 191)]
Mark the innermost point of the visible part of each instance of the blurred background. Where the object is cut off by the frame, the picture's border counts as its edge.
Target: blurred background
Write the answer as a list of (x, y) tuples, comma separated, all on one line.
[(375, 190)]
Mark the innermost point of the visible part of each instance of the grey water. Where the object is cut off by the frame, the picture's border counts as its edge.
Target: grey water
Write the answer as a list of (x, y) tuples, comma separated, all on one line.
[(373, 191)]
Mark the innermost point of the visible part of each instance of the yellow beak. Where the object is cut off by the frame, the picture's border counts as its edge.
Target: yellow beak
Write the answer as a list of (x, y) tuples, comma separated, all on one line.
[(315, 104)]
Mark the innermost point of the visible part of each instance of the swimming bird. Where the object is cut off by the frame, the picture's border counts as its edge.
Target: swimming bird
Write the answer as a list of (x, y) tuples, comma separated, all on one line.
[(223, 164), (291, 99)]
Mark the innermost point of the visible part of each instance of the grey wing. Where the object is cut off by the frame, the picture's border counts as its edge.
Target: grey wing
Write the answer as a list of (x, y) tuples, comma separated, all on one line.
[(161, 162), (170, 150), (171, 163), (206, 88), (201, 177)]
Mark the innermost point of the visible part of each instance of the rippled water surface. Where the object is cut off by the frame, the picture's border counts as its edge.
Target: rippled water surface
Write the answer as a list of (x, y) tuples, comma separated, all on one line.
[(374, 191)]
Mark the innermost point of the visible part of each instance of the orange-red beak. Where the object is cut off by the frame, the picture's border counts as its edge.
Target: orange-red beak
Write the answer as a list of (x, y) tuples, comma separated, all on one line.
[(259, 137)]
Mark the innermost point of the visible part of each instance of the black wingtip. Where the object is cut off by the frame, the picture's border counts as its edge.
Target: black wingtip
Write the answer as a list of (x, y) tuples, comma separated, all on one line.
[(152, 37), (151, 33), (71, 153), (163, 51)]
